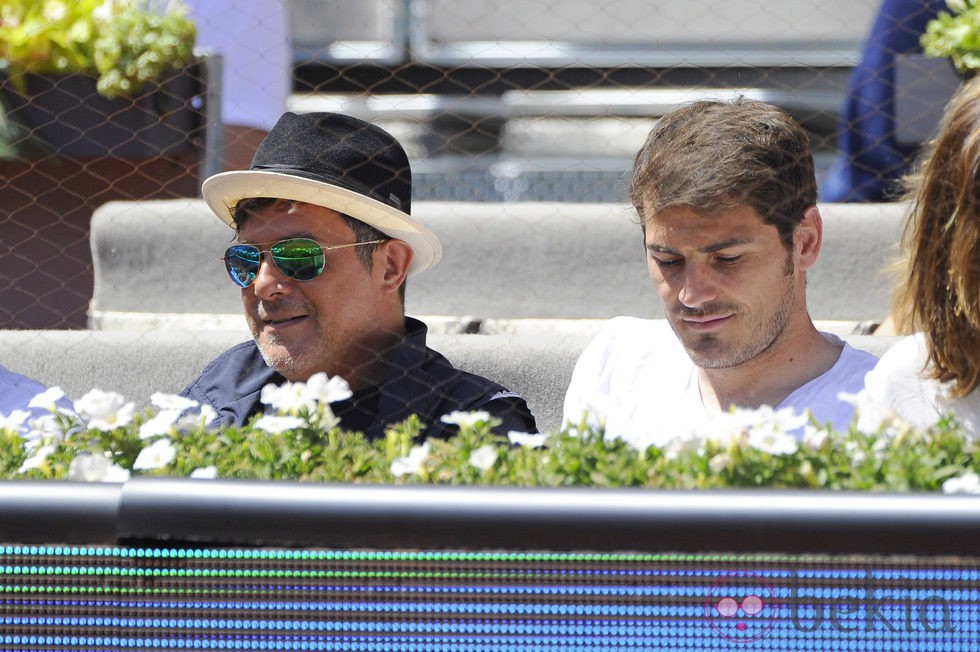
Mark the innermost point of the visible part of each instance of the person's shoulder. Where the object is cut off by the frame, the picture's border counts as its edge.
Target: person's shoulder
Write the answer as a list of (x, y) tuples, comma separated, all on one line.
[(633, 337), (908, 350), (852, 359), (240, 353), (636, 328), (858, 358), (907, 358), (10, 378), (459, 390), (437, 371), (241, 367), (16, 390), (900, 381)]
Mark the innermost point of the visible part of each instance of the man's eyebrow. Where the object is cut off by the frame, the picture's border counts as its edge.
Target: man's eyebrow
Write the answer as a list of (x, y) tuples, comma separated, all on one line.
[(725, 244), (709, 249)]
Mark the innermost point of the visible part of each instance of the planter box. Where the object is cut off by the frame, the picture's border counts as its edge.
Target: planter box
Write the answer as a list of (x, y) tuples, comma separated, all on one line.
[(68, 116), (46, 206)]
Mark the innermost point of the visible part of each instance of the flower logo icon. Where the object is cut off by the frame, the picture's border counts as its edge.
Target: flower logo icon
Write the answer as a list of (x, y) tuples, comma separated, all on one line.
[(741, 607)]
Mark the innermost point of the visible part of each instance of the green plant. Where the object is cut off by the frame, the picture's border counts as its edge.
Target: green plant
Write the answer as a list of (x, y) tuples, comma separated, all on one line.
[(955, 35), (124, 43), (105, 439)]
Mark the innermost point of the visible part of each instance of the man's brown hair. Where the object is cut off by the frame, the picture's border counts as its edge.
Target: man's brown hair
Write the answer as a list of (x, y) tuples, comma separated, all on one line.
[(712, 156)]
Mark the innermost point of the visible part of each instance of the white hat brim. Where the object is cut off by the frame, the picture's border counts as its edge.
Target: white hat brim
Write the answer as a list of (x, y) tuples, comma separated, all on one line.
[(223, 191)]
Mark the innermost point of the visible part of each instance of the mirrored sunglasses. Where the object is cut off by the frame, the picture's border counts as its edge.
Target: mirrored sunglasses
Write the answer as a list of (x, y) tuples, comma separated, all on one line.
[(301, 259)]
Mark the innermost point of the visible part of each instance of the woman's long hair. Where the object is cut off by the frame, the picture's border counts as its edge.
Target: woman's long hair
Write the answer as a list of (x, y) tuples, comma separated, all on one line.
[(940, 295)]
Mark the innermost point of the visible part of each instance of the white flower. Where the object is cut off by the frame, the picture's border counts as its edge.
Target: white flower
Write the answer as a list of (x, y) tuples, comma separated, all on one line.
[(466, 419), (326, 389), (881, 445), (727, 428), (88, 467), (871, 415), (327, 419), (14, 421), (208, 414), (277, 425), (641, 440), (161, 424), (191, 420), (48, 399), (772, 441), (768, 429), (527, 440), (785, 420), (173, 402), (156, 456), (54, 11), (677, 446), (205, 473), (483, 457), (968, 483), (815, 438), (412, 463), (36, 460), (720, 462), (104, 11), (42, 428), (291, 398), (853, 450), (288, 398), (105, 410), (275, 395)]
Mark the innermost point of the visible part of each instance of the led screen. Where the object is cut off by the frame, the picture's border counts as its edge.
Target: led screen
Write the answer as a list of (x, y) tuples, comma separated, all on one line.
[(135, 598)]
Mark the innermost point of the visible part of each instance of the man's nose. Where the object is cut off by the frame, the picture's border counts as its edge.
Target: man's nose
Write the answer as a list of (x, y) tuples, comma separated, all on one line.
[(698, 287), (269, 280)]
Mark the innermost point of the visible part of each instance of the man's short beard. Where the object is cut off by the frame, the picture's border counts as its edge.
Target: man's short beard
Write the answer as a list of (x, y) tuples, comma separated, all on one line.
[(770, 332), (745, 351)]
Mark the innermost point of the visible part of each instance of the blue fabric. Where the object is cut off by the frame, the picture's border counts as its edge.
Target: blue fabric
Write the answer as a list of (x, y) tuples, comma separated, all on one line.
[(421, 382), (871, 162), (16, 392)]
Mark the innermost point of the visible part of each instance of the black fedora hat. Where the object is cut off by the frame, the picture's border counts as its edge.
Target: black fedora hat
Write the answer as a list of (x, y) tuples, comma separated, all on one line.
[(336, 161)]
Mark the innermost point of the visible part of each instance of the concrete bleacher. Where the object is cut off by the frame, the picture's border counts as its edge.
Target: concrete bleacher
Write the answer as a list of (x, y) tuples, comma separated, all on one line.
[(506, 267)]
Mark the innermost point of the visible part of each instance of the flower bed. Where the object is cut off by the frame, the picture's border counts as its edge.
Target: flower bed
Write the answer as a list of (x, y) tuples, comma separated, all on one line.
[(105, 439)]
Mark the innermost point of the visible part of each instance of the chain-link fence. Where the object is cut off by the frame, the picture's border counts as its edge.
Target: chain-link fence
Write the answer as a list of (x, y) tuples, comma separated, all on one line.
[(510, 101)]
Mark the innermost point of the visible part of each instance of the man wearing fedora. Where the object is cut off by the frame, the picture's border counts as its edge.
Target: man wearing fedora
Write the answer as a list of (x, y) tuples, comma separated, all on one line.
[(324, 244)]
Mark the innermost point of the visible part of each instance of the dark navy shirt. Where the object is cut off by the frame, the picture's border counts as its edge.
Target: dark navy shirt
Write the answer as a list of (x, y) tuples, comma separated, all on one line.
[(420, 381)]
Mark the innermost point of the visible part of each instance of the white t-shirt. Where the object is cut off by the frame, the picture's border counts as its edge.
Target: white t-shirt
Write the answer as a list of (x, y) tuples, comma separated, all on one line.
[(636, 377), (899, 381), (253, 39)]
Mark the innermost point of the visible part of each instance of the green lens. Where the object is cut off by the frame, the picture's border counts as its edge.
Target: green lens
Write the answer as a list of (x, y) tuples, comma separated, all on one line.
[(300, 258)]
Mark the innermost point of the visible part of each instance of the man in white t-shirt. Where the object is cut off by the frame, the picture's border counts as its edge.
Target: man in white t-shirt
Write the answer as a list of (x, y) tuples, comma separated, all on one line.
[(726, 195)]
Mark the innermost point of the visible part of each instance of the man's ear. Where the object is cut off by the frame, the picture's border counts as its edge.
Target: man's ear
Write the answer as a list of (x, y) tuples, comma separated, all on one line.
[(809, 238), (392, 261)]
